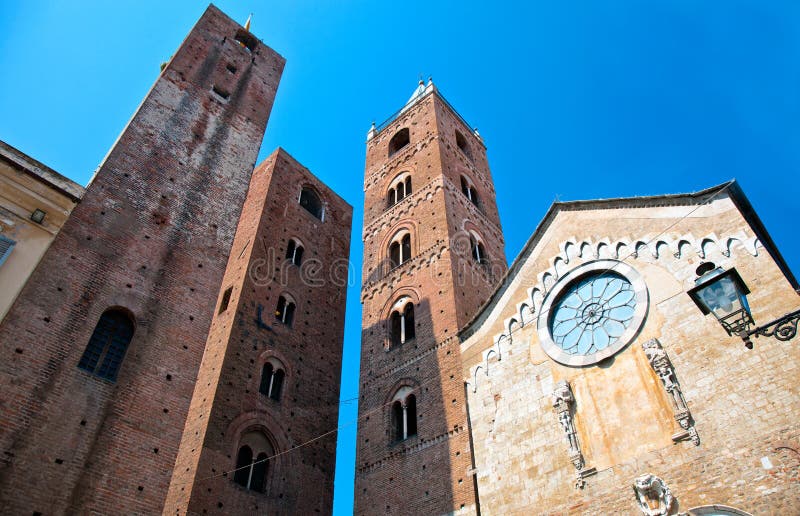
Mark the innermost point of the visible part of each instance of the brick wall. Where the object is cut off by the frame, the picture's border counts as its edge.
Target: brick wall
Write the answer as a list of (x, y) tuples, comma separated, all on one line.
[(426, 473), (152, 234), (227, 402)]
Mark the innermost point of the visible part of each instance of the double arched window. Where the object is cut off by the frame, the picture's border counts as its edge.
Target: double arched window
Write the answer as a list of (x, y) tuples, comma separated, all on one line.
[(400, 249), (107, 345), (404, 414), (272, 375), (478, 251), (311, 202), (399, 190), (399, 140), (294, 252), (284, 312), (401, 321), (252, 461), (468, 189)]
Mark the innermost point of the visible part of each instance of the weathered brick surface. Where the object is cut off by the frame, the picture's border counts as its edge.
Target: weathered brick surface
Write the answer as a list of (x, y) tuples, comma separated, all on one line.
[(226, 401), (152, 234), (427, 473), (744, 402)]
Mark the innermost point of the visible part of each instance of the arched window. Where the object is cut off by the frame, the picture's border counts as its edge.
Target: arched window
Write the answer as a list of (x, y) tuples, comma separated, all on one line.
[(399, 140), (478, 251), (463, 146), (402, 322), (252, 461), (404, 414), (284, 312), (271, 385), (469, 190), (400, 189), (400, 249), (107, 345), (311, 202), (294, 252)]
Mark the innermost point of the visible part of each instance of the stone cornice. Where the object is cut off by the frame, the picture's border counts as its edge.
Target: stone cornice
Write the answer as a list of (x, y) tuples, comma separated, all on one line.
[(421, 444), (446, 342)]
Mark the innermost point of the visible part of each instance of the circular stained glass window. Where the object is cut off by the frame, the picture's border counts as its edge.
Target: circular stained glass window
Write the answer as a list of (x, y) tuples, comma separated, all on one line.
[(592, 312)]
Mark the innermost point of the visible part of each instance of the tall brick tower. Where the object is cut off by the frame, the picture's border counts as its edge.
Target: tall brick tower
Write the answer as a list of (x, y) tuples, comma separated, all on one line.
[(259, 439), (433, 253), (100, 352)]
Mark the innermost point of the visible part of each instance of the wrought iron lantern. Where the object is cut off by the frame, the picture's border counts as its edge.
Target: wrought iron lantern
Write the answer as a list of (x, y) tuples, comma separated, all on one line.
[(724, 294)]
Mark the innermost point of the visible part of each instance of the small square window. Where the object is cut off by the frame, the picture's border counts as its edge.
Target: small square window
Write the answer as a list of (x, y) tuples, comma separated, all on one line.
[(38, 216)]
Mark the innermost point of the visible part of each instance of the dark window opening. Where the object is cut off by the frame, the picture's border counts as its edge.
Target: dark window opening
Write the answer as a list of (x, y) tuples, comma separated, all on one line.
[(250, 473), (404, 418), (226, 298), (271, 382), (399, 140), (311, 202), (397, 420), (411, 415), (463, 146), (222, 93), (402, 325), (469, 190), (399, 192), (294, 253), (107, 346), (478, 251), (284, 312), (400, 251), (246, 40), (231, 68)]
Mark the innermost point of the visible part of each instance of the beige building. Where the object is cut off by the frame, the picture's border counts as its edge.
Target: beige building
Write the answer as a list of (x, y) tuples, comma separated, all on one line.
[(595, 385), (35, 201)]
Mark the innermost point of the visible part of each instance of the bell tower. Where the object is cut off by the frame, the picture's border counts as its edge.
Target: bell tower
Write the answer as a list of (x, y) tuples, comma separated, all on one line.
[(433, 253)]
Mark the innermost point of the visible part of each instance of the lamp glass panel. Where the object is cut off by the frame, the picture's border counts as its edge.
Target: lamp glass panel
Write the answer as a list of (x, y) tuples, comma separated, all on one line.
[(722, 297)]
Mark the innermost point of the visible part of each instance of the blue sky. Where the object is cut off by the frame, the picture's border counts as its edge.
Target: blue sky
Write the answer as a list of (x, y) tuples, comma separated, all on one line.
[(574, 99)]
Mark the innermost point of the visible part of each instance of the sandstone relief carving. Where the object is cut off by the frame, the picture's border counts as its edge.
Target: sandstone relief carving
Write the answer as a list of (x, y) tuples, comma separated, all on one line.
[(563, 403), (663, 367), (652, 495)]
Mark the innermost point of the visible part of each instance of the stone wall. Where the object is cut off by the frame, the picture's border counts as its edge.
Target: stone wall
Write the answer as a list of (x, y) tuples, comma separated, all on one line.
[(742, 402)]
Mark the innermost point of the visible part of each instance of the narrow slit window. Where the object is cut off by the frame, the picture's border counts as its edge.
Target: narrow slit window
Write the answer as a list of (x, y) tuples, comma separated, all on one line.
[(226, 299), (220, 92)]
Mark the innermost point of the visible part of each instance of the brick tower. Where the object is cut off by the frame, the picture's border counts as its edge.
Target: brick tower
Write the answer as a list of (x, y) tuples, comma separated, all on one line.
[(433, 253), (269, 380), (99, 354)]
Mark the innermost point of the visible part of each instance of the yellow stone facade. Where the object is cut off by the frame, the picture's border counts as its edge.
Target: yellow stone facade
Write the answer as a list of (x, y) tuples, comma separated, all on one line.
[(744, 404), (26, 186)]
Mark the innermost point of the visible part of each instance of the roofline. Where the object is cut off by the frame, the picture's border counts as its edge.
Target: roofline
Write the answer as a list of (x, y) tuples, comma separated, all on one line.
[(40, 172), (397, 115), (280, 151), (732, 187)]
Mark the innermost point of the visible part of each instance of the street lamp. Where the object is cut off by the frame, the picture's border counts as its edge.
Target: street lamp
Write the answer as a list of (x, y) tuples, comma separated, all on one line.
[(724, 294)]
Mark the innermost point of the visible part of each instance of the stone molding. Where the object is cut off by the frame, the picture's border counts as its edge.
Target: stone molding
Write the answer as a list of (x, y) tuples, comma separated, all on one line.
[(574, 252), (422, 354), (564, 405), (420, 445), (663, 367)]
